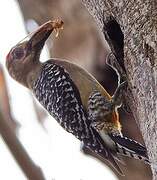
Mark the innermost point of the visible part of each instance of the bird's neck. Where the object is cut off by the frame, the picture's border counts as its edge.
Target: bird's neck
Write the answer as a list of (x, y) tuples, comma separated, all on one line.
[(27, 74), (33, 74)]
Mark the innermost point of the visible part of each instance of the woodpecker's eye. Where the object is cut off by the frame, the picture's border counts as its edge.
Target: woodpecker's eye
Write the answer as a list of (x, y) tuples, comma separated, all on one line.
[(18, 53)]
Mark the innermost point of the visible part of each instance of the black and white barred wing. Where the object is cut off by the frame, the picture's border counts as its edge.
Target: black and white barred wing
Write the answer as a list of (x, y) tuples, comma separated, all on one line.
[(58, 94)]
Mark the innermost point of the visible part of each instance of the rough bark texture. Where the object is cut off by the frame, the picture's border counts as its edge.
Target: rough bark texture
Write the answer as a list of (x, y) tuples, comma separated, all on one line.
[(138, 22), (82, 42)]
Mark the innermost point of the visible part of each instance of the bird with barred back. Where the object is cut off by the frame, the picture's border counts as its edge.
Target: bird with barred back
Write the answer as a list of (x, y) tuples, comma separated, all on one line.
[(74, 98)]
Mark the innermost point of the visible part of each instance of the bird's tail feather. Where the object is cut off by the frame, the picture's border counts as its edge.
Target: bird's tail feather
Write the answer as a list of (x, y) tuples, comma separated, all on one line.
[(106, 155), (112, 161), (123, 146), (130, 148)]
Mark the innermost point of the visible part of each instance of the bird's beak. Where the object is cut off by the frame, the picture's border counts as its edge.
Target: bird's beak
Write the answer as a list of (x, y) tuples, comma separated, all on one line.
[(37, 40)]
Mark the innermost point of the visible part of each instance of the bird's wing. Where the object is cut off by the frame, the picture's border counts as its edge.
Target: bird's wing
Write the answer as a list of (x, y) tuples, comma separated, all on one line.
[(84, 81)]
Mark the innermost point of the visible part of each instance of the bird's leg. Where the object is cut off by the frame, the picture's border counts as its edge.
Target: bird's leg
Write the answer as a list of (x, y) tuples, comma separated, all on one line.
[(117, 97)]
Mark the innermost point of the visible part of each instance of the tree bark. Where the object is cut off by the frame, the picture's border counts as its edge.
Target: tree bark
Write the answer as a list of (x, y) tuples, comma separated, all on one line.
[(138, 22)]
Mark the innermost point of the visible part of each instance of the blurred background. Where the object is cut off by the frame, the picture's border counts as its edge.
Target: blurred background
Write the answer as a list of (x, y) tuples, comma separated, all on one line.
[(51, 150)]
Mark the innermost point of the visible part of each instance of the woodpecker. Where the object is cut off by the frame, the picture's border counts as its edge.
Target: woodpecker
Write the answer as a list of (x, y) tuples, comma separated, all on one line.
[(74, 98)]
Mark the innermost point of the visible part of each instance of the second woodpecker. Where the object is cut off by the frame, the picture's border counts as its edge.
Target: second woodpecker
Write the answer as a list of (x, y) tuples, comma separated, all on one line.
[(74, 98)]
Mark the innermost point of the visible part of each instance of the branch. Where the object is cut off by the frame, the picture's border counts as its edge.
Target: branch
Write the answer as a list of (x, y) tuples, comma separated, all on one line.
[(4, 99), (31, 171)]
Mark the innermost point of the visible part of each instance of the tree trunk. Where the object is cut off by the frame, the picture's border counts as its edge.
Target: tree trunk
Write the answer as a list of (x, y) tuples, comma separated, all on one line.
[(126, 26), (138, 22)]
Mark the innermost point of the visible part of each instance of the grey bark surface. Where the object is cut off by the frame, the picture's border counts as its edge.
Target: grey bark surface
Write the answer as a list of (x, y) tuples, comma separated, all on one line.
[(138, 22)]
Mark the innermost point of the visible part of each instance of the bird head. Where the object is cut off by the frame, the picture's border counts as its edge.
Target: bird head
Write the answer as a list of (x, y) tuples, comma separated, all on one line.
[(23, 58)]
